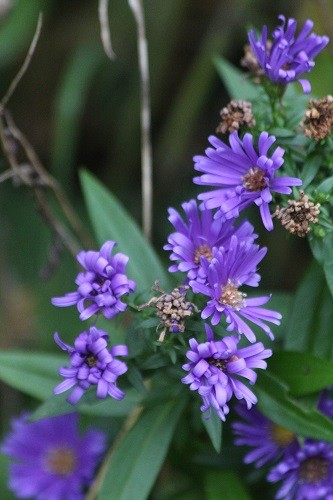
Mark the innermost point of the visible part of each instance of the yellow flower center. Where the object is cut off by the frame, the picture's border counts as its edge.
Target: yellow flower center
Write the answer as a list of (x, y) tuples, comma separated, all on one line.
[(221, 364), (254, 179), (61, 461), (203, 251), (91, 360), (231, 296), (314, 469), (281, 436)]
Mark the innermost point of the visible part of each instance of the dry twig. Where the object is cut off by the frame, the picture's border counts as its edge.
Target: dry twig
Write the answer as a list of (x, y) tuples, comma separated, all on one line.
[(26, 169), (146, 149), (105, 28)]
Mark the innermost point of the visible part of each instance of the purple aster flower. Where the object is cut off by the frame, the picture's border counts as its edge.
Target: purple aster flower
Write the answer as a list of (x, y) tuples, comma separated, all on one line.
[(198, 236), (92, 363), (267, 439), (228, 270), (52, 461), (289, 56), (243, 175), (307, 474), (101, 286), (214, 369)]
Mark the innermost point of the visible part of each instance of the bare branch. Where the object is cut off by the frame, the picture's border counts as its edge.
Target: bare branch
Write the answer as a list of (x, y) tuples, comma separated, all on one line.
[(46, 180), (105, 28), (42, 204), (25, 64), (146, 149)]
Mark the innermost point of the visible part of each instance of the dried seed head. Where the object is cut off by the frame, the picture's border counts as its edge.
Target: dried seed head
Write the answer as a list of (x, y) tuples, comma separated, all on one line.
[(172, 309), (234, 115), (296, 218), (318, 118)]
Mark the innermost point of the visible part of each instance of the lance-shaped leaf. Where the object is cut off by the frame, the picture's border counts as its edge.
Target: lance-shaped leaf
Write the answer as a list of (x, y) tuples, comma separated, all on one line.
[(301, 371), (136, 462), (276, 404), (111, 222), (213, 426), (33, 373)]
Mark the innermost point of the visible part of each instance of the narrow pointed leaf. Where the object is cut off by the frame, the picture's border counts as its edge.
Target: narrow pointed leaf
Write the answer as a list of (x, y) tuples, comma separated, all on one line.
[(237, 83), (213, 426), (311, 331), (88, 405), (302, 372), (111, 221), (35, 374), (276, 404), (143, 451)]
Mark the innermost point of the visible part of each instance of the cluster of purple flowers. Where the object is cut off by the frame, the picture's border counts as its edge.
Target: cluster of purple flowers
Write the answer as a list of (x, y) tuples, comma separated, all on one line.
[(304, 467), (100, 288), (218, 257)]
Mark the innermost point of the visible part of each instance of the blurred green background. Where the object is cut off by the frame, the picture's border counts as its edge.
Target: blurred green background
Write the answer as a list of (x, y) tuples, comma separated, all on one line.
[(79, 109)]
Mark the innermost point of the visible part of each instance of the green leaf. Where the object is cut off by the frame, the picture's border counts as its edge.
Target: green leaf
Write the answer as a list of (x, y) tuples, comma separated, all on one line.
[(213, 426), (326, 186), (226, 485), (111, 221), (310, 169), (19, 27), (302, 372), (328, 260), (69, 107), (135, 463), (135, 378), (236, 82), (316, 245), (295, 105), (310, 326), (89, 405), (35, 374), (276, 404)]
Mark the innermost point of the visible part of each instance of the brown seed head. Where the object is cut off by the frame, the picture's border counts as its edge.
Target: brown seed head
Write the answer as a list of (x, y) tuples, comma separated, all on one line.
[(236, 114), (318, 118), (172, 309), (296, 218)]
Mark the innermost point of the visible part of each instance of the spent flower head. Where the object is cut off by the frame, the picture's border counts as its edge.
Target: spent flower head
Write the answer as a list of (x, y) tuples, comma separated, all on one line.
[(290, 55), (243, 175), (92, 364), (236, 114), (318, 118), (228, 270), (298, 215), (101, 286), (172, 308), (215, 367), (51, 460)]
